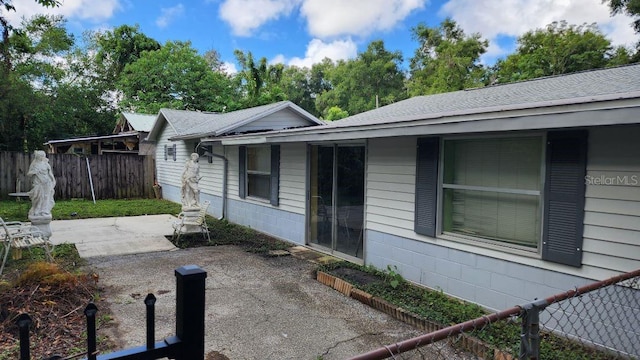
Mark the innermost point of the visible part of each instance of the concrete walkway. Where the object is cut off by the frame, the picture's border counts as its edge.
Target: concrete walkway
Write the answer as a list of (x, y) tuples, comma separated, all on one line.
[(116, 235)]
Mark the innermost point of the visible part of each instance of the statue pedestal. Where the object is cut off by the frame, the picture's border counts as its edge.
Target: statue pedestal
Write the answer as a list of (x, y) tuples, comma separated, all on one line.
[(43, 223), (190, 215)]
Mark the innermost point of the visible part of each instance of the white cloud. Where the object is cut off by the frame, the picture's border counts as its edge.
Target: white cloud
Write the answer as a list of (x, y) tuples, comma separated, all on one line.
[(327, 18), (244, 16), (492, 18), (169, 15), (317, 50), (91, 10), (229, 68)]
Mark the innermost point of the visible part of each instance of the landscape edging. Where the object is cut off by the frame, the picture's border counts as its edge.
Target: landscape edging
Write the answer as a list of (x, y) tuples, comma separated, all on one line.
[(468, 343)]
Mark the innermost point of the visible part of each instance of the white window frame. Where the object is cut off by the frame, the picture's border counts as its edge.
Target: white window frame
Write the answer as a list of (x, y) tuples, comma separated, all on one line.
[(484, 242), (257, 172)]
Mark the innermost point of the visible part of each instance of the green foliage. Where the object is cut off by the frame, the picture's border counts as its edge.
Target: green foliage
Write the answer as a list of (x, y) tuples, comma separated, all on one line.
[(259, 82), (559, 49), (373, 79), (440, 308), (335, 113), (446, 59), (174, 77), (120, 47), (394, 277)]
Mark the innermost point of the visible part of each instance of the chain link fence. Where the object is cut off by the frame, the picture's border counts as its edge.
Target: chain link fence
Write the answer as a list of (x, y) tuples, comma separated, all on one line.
[(600, 320)]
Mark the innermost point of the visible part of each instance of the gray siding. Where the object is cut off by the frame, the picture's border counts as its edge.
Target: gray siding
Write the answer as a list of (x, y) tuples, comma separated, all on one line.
[(611, 236), (391, 169), (283, 119), (212, 173), (169, 172), (293, 177), (612, 208)]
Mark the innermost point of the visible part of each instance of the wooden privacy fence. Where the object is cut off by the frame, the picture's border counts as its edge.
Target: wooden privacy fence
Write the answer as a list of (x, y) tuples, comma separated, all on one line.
[(114, 176)]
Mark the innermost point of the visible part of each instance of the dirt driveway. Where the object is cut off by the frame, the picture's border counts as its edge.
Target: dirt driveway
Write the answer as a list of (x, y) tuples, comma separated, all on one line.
[(258, 307)]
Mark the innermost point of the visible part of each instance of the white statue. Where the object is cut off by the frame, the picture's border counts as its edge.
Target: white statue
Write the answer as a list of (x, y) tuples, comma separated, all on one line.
[(42, 186), (190, 179)]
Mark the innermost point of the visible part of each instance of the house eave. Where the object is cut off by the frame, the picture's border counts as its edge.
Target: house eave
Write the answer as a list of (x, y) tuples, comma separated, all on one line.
[(618, 111)]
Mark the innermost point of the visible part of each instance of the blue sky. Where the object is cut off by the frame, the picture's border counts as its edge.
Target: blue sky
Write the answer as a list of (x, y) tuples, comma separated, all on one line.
[(302, 32)]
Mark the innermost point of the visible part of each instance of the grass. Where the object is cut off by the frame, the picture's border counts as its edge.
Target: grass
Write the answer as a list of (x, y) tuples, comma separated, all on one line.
[(85, 209)]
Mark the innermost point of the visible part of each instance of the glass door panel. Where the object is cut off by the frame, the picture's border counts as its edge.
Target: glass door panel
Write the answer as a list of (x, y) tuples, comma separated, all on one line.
[(349, 207), (337, 198), (321, 215)]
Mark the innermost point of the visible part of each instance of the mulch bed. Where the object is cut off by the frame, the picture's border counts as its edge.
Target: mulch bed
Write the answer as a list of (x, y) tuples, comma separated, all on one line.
[(57, 311), (355, 276)]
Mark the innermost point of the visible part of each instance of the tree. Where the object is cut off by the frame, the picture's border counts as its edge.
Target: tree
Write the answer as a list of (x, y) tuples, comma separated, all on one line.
[(120, 47), (373, 79), (558, 49), (446, 59), (17, 96), (175, 77), (212, 57), (28, 84), (335, 113), (628, 7), (5, 45), (259, 82)]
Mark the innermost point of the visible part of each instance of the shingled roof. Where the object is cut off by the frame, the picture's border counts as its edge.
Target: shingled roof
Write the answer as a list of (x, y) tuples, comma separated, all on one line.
[(195, 124), (524, 94)]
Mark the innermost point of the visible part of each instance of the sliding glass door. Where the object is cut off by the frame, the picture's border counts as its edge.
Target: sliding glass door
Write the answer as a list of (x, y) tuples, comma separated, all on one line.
[(337, 198)]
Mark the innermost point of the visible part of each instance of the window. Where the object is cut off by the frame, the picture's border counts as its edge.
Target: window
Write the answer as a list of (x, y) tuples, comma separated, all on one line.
[(170, 152), (259, 172), (491, 189)]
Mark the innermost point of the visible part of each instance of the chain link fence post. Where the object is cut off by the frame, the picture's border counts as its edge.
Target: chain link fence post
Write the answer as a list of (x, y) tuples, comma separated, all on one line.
[(530, 335)]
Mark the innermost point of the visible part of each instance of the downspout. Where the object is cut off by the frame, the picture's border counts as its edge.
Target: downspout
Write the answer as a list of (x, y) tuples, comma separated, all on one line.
[(225, 163)]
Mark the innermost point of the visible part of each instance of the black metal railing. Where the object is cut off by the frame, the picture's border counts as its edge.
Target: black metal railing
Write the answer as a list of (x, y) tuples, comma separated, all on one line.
[(187, 344)]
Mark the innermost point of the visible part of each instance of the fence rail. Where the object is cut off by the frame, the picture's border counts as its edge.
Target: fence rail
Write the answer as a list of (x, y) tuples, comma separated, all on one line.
[(600, 320), (113, 176), (187, 344)]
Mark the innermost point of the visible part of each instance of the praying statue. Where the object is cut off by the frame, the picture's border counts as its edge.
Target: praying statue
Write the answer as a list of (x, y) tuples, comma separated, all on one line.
[(42, 186), (190, 179)]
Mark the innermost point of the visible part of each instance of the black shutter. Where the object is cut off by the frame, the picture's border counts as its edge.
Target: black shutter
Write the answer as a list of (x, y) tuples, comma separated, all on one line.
[(427, 186), (564, 197), (174, 152), (275, 173), (242, 171), (165, 152)]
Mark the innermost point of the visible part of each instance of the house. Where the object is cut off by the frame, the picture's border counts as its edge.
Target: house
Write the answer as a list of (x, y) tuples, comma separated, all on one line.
[(217, 176), (496, 195), (128, 138)]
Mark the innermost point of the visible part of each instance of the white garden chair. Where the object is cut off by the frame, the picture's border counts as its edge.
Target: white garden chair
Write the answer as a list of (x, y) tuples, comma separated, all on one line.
[(191, 225), (19, 235)]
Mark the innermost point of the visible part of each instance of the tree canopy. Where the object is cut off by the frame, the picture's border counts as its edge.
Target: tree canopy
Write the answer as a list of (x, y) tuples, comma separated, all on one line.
[(52, 87), (374, 78), (446, 59), (175, 77), (558, 49)]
